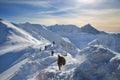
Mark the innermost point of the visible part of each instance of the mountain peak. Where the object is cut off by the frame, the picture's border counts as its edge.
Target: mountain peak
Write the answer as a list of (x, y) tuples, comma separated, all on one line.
[(88, 25), (69, 28), (88, 28)]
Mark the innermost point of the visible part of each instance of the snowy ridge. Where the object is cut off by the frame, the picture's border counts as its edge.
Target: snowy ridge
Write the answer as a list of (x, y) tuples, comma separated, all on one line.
[(43, 61), (3, 32), (51, 36), (76, 36), (110, 41), (6, 75), (64, 28), (89, 29), (52, 72), (15, 42), (20, 32), (101, 63), (30, 51), (88, 35), (26, 52)]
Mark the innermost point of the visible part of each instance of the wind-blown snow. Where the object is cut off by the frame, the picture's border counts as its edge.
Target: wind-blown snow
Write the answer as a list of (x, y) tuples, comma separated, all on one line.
[(51, 36), (8, 74), (20, 32), (23, 55), (100, 64), (15, 42), (88, 35)]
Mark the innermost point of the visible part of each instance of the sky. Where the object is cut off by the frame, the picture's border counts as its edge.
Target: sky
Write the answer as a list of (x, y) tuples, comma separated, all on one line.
[(102, 14)]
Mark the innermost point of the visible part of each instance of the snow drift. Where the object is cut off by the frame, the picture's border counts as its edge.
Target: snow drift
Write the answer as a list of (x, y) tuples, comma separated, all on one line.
[(101, 64), (87, 35), (23, 55)]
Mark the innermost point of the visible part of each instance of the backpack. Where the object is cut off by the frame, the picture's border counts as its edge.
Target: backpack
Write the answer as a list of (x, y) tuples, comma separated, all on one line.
[(63, 60)]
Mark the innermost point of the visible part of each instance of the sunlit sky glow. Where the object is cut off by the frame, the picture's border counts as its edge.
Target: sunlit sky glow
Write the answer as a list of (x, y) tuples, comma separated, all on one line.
[(103, 14)]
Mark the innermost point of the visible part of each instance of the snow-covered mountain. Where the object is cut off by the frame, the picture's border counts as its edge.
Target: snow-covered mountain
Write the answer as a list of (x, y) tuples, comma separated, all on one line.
[(73, 29), (20, 49), (40, 30), (89, 29), (25, 52), (111, 41), (88, 35), (101, 64), (9, 32), (75, 35), (14, 42), (64, 28)]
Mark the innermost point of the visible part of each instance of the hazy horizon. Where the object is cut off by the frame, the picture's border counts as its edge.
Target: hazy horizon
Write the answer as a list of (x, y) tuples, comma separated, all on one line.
[(102, 14)]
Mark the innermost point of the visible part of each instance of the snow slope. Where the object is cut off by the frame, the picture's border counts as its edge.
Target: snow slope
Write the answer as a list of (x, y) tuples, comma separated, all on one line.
[(87, 35), (111, 41), (39, 62), (61, 42), (8, 74), (20, 54), (74, 34), (64, 28), (101, 64), (89, 29), (23, 55), (14, 43), (10, 32), (52, 71)]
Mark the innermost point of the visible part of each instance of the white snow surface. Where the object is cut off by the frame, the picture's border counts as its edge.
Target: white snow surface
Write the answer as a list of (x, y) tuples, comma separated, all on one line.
[(87, 35), (101, 64), (23, 55), (21, 50), (51, 36), (21, 34), (8, 74)]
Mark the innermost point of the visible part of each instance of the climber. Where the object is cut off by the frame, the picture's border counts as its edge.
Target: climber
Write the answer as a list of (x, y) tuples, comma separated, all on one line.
[(61, 61), (52, 53)]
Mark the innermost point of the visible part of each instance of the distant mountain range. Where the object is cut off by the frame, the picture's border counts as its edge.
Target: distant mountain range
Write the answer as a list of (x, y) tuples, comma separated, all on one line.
[(87, 35), (90, 54), (73, 28)]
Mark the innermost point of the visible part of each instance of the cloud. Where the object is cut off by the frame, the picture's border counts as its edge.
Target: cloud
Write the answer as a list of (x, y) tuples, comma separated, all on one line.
[(97, 12), (35, 3)]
